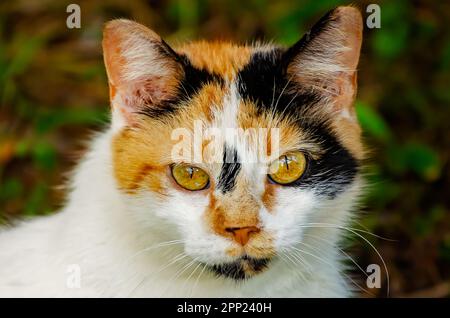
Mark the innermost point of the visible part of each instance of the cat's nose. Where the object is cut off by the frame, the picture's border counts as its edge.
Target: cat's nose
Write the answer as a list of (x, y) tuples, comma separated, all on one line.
[(242, 234)]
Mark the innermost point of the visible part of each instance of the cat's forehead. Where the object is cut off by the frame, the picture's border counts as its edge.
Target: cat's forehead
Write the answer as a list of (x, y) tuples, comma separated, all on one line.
[(257, 79), (244, 87), (224, 59), (230, 85), (253, 76)]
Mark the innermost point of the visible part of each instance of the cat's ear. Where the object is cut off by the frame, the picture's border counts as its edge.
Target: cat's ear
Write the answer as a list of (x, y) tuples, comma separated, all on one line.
[(324, 61), (143, 71)]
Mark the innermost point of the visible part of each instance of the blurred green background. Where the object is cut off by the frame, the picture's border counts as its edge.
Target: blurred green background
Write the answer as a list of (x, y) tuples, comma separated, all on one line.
[(53, 94)]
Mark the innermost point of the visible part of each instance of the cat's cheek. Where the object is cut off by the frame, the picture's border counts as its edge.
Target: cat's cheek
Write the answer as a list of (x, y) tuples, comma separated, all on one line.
[(293, 210), (208, 249)]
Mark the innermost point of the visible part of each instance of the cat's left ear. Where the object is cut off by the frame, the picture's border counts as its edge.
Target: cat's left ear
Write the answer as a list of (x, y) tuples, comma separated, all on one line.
[(324, 61), (143, 71)]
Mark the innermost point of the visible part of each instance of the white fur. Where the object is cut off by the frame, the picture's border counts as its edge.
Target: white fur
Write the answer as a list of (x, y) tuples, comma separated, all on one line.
[(114, 238), (139, 50)]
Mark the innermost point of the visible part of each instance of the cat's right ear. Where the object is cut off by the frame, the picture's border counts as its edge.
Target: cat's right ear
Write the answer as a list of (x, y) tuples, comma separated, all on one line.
[(325, 60), (143, 71)]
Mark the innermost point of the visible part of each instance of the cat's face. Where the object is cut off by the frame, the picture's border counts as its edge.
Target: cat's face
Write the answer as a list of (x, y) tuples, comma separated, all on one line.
[(232, 149)]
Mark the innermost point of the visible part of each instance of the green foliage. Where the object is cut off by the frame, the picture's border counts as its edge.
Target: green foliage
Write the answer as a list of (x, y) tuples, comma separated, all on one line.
[(11, 188), (49, 121), (372, 123), (425, 224), (391, 39)]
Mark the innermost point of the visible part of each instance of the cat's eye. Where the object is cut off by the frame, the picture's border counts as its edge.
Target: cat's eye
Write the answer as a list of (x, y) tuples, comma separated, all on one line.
[(288, 168), (190, 177)]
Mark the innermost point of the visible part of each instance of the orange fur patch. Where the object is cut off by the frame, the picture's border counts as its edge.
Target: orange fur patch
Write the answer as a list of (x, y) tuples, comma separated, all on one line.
[(140, 160), (134, 164), (220, 58), (269, 198), (349, 134), (239, 209), (236, 210)]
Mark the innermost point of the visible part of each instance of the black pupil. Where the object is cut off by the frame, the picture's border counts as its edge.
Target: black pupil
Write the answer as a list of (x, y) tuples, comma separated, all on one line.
[(191, 172), (287, 162)]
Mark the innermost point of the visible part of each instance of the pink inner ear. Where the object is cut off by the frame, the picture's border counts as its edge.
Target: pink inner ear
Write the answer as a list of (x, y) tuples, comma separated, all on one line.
[(142, 93), (351, 25), (346, 93), (328, 62), (139, 74), (148, 92)]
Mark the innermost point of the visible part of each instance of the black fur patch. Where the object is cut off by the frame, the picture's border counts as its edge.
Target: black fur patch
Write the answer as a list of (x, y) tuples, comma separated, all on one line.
[(194, 79), (264, 81), (334, 170), (235, 269), (319, 27), (230, 170)]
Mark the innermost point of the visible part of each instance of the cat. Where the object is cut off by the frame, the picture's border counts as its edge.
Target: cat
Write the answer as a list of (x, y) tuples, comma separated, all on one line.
[(139, 223)]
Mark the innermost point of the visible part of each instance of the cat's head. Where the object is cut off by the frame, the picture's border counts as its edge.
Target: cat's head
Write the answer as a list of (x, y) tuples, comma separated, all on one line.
[(232, 208)]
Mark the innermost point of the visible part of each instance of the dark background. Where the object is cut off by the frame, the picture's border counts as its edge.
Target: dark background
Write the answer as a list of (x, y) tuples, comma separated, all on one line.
[(53, 95)]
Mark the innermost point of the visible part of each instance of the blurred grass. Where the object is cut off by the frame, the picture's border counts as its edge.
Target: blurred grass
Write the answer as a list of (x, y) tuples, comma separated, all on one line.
[(53, 94)]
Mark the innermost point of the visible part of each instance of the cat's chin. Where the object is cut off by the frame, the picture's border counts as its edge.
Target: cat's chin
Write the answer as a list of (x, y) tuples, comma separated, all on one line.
[(243, 268)]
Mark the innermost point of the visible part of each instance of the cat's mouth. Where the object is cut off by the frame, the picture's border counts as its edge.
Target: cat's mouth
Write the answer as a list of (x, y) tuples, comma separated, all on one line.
[(243, 268)]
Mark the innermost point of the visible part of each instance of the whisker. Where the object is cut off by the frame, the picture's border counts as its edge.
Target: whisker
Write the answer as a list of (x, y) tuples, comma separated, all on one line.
[(163, 244), (190, 275), (355, 232), (303, 261), (178, 274), (340, 249), (197, 280), (282, 91), (352, 229), (174, 260), (329, 264), (293, 263)]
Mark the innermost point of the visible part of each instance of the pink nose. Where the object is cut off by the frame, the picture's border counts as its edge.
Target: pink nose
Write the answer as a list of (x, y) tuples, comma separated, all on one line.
[(242, 234)]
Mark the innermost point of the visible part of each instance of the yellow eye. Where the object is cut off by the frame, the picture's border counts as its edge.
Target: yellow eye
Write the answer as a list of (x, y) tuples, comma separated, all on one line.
[(190, 177), (288, 168)]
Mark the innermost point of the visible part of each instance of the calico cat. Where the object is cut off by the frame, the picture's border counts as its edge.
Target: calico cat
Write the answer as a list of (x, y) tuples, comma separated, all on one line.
[(142, 222)]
